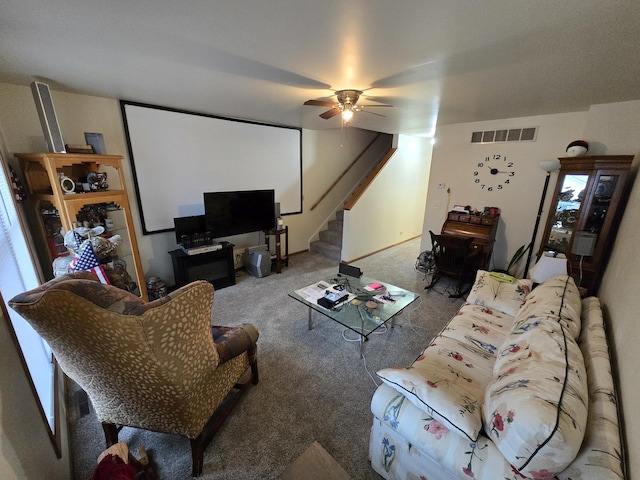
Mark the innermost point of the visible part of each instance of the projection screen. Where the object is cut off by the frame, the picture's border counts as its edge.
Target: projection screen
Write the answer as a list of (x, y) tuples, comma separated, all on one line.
[(176, 156)]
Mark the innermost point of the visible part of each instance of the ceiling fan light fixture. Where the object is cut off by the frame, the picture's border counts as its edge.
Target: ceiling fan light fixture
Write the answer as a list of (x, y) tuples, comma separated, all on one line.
[(347, 112)]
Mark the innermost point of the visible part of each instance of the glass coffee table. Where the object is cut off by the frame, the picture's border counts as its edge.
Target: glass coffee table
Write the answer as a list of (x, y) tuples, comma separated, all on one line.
[(364, 309)]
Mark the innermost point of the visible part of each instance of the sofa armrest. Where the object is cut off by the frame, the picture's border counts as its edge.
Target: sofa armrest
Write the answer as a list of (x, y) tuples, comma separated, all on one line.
[(233, 341)]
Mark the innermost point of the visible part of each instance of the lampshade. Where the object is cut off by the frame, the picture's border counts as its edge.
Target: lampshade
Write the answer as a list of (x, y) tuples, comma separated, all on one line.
[(550, 165), (547, 267)]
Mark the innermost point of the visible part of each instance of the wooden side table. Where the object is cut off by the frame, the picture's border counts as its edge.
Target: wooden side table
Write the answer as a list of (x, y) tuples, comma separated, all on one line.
[(278, 260)]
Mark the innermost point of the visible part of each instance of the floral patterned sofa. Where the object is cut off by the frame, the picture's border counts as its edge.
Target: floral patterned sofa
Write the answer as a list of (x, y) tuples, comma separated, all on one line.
[(517, 385)]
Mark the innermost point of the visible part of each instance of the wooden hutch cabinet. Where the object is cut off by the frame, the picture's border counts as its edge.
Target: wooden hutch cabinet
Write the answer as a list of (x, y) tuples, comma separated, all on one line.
[(481, 228), (60, 203), (587, 207)]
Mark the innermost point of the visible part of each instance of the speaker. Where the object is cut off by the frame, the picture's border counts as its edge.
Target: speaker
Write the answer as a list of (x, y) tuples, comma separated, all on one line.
[(48, 118), (257, 261)]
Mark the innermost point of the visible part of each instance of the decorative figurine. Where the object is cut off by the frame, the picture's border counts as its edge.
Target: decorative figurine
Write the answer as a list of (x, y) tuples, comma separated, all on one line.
[(577, 148)]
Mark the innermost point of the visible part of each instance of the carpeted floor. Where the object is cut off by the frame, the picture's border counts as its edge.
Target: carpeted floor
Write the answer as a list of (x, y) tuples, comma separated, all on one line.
[(313, 384)]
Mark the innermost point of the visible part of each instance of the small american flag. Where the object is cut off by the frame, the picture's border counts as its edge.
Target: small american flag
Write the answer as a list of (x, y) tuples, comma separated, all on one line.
[(89, 261), (78, 239)]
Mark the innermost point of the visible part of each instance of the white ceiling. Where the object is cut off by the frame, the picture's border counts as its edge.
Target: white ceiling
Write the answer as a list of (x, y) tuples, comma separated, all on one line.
[(447, 61)]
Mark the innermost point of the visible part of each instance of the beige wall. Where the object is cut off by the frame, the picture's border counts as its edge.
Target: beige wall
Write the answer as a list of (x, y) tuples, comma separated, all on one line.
[(455, 159), (392, 209), (610, 129)]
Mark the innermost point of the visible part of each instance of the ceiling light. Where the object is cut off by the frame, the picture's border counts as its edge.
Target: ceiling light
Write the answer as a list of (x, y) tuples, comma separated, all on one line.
[(347, 112)]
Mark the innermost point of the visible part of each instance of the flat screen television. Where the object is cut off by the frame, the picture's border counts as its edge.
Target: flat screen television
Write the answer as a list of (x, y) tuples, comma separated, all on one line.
[(234, 213)]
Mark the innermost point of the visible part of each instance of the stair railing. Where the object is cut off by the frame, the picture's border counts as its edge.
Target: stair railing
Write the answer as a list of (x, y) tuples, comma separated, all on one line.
[(344, 172), (348, 205)]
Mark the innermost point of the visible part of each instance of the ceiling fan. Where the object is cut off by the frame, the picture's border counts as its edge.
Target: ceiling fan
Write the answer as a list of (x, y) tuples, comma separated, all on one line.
[(346, 104)]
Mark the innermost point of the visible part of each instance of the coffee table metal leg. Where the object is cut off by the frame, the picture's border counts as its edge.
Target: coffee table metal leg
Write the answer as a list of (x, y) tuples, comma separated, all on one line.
[(310, 318)]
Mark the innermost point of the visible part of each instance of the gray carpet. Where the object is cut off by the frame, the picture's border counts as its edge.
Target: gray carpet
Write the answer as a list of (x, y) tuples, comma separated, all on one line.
[(313, 383)]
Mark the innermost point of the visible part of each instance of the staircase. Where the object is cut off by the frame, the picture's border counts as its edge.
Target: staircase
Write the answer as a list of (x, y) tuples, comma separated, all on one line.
[(330, 243)]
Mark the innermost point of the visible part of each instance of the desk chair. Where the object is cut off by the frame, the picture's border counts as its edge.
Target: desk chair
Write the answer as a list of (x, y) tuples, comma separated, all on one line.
[(454, 258)]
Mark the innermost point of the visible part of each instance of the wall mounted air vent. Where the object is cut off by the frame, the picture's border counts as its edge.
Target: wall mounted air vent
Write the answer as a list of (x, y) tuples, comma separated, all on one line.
[(528, 134)]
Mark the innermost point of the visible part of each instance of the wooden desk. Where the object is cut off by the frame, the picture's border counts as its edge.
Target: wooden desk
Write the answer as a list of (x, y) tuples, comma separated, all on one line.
[(481, 228)]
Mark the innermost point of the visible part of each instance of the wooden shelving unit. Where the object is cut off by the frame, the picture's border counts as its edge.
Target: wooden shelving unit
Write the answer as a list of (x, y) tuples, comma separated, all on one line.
[(42, 172), (280, 257)]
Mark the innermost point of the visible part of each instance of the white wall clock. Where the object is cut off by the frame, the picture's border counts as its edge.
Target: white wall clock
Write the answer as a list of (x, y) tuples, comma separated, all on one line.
[(494, 172)]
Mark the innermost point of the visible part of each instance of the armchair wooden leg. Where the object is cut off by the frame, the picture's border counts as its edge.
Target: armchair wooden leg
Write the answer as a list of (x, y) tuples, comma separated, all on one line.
[(254, 372), (197, 455), (110, 433)]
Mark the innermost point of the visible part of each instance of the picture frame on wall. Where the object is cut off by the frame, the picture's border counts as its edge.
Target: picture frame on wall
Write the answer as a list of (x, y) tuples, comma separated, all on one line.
[(96, 140)]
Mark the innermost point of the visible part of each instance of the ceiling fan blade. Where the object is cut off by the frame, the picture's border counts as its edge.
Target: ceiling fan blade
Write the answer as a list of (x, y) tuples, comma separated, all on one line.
[(321, 103), (330, 113), (372, 113), (372, 105)]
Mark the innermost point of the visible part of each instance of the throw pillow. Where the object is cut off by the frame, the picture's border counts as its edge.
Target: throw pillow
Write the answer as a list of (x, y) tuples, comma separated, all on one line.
[(447, 381), (502, 296), (555, 297)]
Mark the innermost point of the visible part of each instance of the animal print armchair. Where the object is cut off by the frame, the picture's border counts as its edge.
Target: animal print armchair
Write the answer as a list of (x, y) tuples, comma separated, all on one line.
[(156, 365)]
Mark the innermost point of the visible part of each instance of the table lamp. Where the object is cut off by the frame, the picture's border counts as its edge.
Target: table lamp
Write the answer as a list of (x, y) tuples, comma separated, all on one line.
[(549, 265)]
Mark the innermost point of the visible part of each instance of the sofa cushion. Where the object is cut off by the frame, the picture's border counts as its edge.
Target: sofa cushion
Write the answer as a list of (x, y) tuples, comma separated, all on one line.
[(449, 378), (558, 296), (600, 453), (535, 408), (502, 296)]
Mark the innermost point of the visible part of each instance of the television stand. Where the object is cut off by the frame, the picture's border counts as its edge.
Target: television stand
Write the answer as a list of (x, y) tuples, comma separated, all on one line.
[(216, 266)]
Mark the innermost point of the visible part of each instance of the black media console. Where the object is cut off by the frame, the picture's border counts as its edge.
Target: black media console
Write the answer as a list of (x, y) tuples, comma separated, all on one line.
[(215, 267)]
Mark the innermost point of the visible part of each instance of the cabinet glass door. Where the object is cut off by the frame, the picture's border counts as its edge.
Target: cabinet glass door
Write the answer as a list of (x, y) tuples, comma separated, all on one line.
[(567, 211), (595, 217)]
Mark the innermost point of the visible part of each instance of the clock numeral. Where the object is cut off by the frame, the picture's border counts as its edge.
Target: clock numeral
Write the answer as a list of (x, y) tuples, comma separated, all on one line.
[(512, 174), (477, 180), (499, 187), (486, 159), (509, 164), (476, 173), (507, 181), (482, 186), (490, 189), (498, 157), (480, 164)]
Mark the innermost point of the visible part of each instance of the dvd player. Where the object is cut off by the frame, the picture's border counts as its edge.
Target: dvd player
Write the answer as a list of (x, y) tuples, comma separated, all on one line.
[(330, 303), (202, 249)]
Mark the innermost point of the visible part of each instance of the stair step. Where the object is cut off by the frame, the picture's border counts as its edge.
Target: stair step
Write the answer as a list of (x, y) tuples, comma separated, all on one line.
[(329, 250), (335, 225), (331, 236), (340, 215)]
